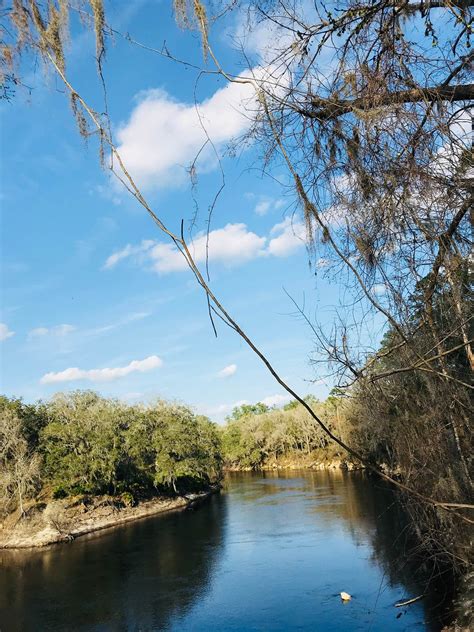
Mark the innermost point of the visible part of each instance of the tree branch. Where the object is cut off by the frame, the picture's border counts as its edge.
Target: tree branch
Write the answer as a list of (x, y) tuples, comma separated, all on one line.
[(326, 109)]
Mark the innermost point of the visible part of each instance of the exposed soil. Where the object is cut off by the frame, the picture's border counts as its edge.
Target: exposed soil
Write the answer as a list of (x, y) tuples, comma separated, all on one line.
[(45, 523)]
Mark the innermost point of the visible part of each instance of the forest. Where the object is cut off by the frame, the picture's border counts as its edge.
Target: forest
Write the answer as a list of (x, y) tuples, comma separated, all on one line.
[(81, 443)]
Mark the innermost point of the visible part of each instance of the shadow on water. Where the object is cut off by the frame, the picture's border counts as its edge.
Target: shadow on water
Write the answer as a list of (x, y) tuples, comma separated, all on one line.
[(370, 511), (272, 552), (133, 577), (398, 552)]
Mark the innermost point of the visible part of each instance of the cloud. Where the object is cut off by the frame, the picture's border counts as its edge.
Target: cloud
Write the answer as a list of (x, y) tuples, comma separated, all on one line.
[(322, 263), (221, 410), (228, 371), (163, 136), (131, 396), (125, 320), (58, 330), (263, 39), (128, 251), (5, 332), (103, 375), (266, 204), (379, 289), (232, 245), (263, 207), (290, 236), (276, 400)]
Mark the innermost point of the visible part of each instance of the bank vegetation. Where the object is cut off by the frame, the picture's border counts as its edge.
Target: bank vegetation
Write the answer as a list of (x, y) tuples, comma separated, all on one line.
[(91, 449)]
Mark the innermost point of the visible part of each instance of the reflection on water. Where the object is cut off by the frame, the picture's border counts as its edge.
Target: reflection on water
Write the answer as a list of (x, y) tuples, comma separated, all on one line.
[(137, 576), (270, 553)]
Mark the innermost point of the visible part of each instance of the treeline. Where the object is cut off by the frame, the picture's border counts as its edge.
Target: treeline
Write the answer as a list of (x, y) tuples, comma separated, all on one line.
[(256, 436), (81, 443)]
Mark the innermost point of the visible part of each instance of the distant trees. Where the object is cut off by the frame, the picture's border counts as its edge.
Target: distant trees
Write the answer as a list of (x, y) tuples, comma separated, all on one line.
[(249, 409), (258, 435), (88, 444)]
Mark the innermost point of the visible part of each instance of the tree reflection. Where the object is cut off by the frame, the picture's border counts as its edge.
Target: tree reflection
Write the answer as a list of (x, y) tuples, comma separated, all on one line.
[(138, 576)]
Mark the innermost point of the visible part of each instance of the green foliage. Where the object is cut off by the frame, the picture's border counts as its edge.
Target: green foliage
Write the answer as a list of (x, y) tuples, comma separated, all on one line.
[(173, 448), (239, 445), (127, 499), (81, 443), (32, 418), (249, 409), (254, 436), (95, 445)]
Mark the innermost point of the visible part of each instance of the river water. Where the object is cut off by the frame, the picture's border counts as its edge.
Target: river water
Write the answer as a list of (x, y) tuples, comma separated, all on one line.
[(272, 552)]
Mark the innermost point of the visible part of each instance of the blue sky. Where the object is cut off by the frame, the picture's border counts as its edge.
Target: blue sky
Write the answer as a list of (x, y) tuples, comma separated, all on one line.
[(92, 295)]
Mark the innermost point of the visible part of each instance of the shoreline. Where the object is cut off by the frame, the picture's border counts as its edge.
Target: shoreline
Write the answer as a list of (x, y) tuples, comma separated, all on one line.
[(299, 464), (61, 521)]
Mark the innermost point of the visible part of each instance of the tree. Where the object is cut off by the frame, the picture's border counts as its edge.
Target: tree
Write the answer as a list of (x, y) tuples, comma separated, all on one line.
[(96, 445), (249, 409), (185, 447), (19, 467), (83, 442)]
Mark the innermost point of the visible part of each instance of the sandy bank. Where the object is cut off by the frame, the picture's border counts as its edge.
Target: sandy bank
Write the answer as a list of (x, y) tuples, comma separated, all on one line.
[(304, 462), (46, 523)]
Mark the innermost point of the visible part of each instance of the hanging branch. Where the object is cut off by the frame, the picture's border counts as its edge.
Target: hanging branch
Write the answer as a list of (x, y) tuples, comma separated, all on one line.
[(225, 316)]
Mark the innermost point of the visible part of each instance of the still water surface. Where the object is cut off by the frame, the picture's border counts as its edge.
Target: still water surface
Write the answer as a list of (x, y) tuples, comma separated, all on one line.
[(272, 552)]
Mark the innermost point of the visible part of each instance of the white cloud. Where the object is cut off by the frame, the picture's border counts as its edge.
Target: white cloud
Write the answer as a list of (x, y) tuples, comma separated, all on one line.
[(103, 375), (231, 245), (264, 38), (263, 207), (38, 332), (379, 289), (228, 371), (266, 204), (128, 251), (221, 410), (58, 330), (131, 396), (62, 330), (125, 320), (163, 136), (322, 263), (276, 400), (290, 236), (5, 332)]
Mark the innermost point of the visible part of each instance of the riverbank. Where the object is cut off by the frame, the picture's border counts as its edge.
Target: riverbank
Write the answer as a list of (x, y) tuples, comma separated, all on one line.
[(63, 520), (299, 462)]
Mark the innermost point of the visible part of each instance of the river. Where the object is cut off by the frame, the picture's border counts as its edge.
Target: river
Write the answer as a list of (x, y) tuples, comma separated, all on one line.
[(272, 552)]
